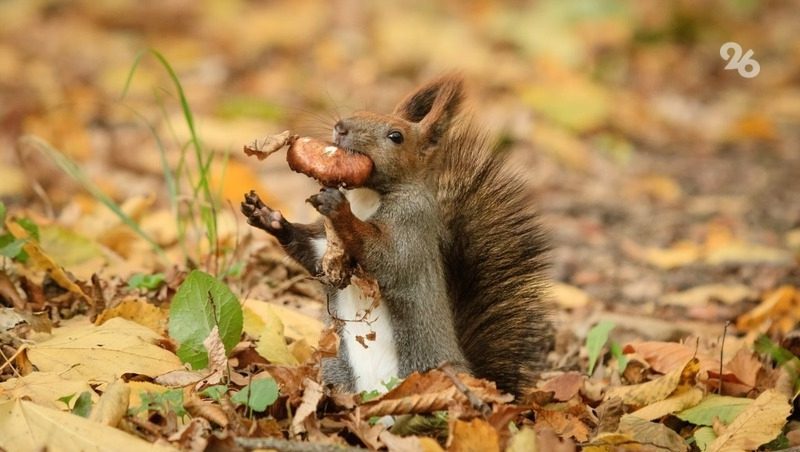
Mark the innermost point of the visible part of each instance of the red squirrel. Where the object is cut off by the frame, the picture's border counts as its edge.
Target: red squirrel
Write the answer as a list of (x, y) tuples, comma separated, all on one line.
[(448, 231)]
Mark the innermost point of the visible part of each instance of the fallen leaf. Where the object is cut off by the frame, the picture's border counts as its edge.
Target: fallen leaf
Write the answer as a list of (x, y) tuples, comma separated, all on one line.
[(777, 303), (653, 391), (102, 353), (28, 426), (670, 405), (645, 432), (44, 388), (759, 423), (715, 407), (113, 404), (137, 310), (564, 424), (269, 331), (476, 435), (296, 325), (312, 394), (564, 386), (567, 296)]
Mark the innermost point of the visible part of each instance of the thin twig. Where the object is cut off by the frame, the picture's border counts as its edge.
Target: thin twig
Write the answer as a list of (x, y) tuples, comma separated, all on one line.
[(474, 400)]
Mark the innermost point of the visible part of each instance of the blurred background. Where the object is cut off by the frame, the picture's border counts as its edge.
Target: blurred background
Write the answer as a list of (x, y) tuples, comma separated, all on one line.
[(656, 168)]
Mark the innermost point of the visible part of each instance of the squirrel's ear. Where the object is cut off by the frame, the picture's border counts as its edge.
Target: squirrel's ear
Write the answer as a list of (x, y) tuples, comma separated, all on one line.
[(433, 106)]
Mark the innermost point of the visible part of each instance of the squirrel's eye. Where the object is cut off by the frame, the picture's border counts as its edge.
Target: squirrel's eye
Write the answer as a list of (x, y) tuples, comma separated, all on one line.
[(395, 136)]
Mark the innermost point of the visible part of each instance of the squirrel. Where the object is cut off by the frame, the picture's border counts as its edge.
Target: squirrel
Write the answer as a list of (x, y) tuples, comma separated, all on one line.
[(447, 230)]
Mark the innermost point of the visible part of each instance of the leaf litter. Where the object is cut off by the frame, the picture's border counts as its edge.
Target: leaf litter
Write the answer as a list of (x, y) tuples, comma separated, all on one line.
[(669, 187)]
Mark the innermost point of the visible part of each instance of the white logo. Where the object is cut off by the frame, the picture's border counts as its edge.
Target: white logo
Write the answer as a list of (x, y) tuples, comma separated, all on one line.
[(739, 62)]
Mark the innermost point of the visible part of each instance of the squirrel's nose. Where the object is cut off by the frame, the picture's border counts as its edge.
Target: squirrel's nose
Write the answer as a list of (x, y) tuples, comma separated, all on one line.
[(340, 128)]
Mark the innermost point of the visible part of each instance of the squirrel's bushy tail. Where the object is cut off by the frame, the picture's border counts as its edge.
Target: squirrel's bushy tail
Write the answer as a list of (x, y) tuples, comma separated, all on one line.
[(493, 253)]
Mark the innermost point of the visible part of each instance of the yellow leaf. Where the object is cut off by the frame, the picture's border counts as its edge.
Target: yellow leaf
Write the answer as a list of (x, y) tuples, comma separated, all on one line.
[(113, 404), (43, 262), (44, 388), (653, 391), (137, 310), (670, 405), (476, 435), (296, 325), (759, 423), (27, 426), (268, 328), (102, 353), (523, 441)]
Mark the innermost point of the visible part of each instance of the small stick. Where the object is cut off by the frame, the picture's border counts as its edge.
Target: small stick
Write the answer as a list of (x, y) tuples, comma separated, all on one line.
[(292, 446), (474, 400)]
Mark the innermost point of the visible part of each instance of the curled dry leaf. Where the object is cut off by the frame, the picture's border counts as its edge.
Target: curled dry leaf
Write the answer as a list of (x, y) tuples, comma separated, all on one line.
[(312, 394), (113, 404), (269, 145)]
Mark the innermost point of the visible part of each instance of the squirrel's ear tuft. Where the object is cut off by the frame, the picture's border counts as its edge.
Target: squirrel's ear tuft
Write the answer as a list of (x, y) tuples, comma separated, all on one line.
[(433, 105)]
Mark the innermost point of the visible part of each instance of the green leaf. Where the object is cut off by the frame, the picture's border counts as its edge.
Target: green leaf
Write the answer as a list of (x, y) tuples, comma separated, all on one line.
[(144, 281), (3, 211), (724, 408), (595, 340), (30, 227), (258, 395), (779, 354), (622, 360), (66, 399), (366, 396), (11, 247), (214, 392), (200, 303), (83, 405), (704, 436)]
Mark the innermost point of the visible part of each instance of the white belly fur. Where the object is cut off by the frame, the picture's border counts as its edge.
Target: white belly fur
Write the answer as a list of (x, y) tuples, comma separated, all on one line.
[(377, 362)]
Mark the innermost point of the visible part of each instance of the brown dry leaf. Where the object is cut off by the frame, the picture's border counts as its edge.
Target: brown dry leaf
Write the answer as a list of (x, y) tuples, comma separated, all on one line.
[(270, 145), (9, 291), (476, 435), (745, 365), (44, 388), (217, 358), (83, 351), (651, 433), (564, 386), (312, 394), (672, 404), (113, 404), (665, 357), (759, 423), (207, 410), (565, 424), (193, 436), (27, 426), (179, 378), (39, 259), (747, 253), (775, 304), (653, 391), (140, 311), (431, 391)]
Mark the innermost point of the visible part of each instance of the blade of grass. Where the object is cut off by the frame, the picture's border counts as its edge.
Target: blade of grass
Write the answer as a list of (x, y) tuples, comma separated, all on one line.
[(72, 169)]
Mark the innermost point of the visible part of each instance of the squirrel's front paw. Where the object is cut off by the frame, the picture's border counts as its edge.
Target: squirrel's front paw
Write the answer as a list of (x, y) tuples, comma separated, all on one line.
[(262, 217), (329, 202)]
